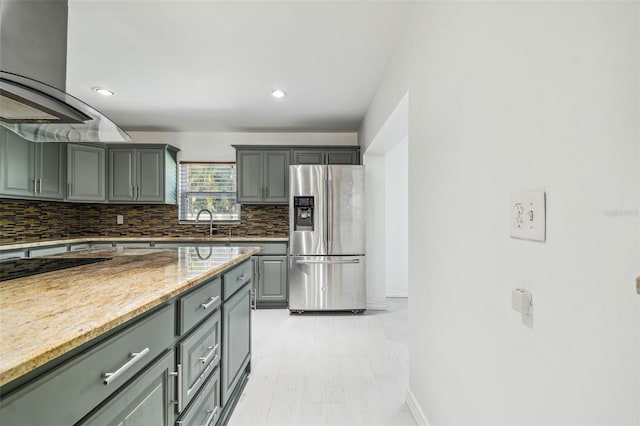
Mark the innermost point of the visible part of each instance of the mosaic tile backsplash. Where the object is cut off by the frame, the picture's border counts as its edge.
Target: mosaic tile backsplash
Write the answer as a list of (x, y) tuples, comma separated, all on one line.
[(25, 221)]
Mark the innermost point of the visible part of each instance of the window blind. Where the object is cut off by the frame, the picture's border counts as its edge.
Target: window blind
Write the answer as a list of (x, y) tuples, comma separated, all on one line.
[(209, 186)]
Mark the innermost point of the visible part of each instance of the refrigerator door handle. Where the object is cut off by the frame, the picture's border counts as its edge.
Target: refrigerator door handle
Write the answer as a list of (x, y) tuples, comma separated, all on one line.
[(328, 262), (329, 214)]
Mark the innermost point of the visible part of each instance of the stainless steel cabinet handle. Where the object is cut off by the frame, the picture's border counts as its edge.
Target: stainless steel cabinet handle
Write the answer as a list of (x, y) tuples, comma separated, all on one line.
[(212, 300), (35, 191), (212, 415), (328, 262), (137, 192), (135, 357), (242, 277), (69, 188), (178, 375), (39, 181), (212, 351)]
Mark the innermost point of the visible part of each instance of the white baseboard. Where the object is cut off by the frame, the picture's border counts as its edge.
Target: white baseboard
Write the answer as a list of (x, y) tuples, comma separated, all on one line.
[(416, 411), (377, 306), (397, 294)]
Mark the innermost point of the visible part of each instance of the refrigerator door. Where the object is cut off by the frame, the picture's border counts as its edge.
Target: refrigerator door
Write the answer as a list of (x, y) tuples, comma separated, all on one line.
[(304, 181), (345, 210), (326, 283)]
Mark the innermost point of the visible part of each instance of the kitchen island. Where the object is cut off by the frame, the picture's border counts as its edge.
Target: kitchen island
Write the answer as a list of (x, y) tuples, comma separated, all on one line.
[(187, 305)]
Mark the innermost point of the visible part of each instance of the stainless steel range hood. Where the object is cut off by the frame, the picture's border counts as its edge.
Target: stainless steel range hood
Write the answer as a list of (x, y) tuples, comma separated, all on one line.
[(33, 103)]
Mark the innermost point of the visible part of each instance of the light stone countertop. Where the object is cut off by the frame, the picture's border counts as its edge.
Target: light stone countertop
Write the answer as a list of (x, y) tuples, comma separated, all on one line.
[(213, 239), (44, 316)]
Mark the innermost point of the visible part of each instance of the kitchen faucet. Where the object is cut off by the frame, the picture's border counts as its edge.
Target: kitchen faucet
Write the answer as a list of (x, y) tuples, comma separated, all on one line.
[(210, 219)]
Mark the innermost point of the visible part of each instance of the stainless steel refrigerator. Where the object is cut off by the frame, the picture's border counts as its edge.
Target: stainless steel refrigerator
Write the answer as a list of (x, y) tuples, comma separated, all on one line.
[(326, 238)]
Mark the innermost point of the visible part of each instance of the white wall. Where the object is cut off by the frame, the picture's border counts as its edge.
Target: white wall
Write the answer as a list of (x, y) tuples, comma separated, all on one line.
[(216, 146), (504, 97), (397, 220), (375, 231)]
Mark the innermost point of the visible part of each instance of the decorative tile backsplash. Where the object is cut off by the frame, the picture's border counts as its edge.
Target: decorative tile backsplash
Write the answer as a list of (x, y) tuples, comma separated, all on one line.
[(24, 221)]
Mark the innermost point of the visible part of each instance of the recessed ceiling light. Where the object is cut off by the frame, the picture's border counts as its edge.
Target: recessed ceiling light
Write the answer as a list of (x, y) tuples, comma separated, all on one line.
[(277, 93), (103, 92)]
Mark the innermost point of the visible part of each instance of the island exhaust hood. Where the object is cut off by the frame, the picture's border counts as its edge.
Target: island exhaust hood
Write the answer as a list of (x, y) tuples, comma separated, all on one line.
[(33, 53)]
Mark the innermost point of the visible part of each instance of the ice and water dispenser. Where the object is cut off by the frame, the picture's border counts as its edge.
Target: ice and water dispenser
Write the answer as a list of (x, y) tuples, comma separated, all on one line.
[(303, 213)]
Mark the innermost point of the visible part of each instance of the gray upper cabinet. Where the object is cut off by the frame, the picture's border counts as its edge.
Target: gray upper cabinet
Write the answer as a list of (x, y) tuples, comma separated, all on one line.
[(30, 170), (86, 173), (263, 176), (326, 155), (142, 174)]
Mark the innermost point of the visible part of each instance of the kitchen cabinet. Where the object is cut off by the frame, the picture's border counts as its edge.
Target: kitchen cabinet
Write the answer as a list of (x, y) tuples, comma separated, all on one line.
[(163, 365), (271, 287), (143, 174), (67, 393), (86, 173), (146, 401), (269, 270), (236, 339), (263, 176), (30, 170), (333, 155)]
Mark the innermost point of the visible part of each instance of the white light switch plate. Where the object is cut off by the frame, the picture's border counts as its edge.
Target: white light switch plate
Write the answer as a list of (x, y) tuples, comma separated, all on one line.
[(528, 215), (119, 219)]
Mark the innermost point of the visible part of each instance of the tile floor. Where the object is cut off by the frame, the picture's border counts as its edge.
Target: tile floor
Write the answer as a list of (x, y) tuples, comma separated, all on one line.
[(321, 369)]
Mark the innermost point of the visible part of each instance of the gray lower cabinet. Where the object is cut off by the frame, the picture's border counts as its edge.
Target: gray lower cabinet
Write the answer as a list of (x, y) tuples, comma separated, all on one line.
[(64, 395), (30, 170), (271, 287), (236, 339), (86, 173), (263, 176), (145, 401), (206, 407), (186, 360), (142, 175)]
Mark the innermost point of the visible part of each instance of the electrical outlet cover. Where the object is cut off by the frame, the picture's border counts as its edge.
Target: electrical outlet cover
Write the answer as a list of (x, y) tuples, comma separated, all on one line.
[(528, 215)]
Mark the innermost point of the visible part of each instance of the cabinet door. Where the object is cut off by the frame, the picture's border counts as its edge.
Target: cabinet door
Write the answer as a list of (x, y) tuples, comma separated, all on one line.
[(276, 177), (342, 157), (121, 174), (145, 401), (250, 176), (307, 157), (86, 173), (273, 280), (236, 340), (17, 161), (50, 170), (150, 175)]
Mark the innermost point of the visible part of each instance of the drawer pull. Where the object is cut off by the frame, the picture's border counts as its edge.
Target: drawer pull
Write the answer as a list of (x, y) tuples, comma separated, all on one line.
[(178, 375), (242, 277), (212, 352), (212, 415), (212, 300), (135, 357)]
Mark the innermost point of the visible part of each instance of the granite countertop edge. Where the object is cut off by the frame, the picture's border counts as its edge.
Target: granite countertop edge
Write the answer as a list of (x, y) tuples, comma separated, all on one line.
[(17, 360), (79, 240)]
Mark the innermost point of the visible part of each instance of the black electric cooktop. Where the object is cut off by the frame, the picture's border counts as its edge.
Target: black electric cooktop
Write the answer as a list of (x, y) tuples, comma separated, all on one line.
[(18, 268)]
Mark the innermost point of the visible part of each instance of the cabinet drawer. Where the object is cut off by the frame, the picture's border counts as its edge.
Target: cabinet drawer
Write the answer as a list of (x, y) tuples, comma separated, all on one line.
[(198, 355), (236, 278), (145, 401), (206, 408), (47, 251), (195, 306), (265, 248), (66, 394)]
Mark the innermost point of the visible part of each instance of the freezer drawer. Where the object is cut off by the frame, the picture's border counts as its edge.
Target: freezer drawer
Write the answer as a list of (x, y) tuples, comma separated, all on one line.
[(326, 283)]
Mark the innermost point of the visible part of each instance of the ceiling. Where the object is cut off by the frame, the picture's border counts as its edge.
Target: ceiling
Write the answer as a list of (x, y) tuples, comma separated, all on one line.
[(209, 65)]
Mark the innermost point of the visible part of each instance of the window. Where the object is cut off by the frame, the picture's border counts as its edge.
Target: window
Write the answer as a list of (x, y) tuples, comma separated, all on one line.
[(208, 186)]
